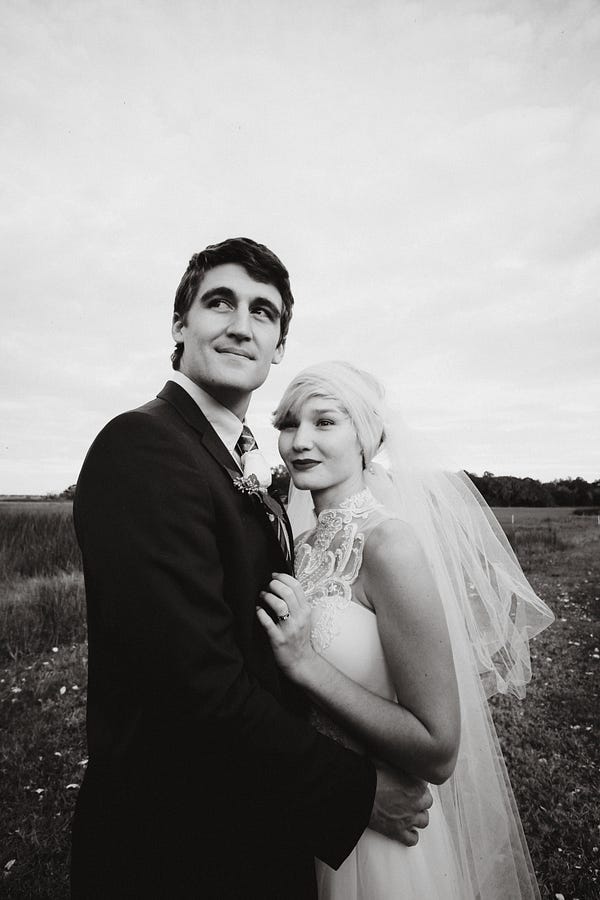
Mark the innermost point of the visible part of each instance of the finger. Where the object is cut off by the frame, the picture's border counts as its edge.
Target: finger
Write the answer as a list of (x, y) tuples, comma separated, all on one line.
[(288, 580), (290, 587), (279, 606), (268, 624), (285, 593), (428, 800), (421, 820), (409, 837)]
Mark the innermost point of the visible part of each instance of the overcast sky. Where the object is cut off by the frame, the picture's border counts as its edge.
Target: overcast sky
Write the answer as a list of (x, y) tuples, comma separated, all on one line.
[(429, 173)]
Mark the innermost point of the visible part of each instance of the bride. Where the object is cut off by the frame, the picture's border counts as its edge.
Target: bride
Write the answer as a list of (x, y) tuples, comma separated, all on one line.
[(407, 610)]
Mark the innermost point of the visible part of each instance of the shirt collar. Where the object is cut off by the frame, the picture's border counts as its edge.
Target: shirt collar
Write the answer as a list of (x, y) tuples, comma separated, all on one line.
[(226, 424)]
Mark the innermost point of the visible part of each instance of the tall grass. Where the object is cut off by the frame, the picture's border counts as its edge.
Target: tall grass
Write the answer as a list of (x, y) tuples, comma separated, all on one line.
[(42, 600), (34, 544), (42, 612), (527, 542)]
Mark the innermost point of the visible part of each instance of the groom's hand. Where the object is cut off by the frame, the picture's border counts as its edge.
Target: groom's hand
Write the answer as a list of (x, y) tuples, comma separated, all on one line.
[(400, 806)]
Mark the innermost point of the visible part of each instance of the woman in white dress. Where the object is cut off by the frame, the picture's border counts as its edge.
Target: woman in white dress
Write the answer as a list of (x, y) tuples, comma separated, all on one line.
[(408, 607)]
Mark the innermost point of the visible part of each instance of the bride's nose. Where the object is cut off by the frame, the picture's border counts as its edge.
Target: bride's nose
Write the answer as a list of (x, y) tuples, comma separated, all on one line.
[(302, 437)]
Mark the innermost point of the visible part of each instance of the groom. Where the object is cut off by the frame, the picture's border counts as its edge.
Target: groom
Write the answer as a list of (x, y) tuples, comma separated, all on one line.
[(204, 779)]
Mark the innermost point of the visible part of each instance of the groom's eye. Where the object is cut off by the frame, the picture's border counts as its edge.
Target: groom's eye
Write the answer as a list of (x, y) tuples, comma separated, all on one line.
[(266, 312), (218, 303)]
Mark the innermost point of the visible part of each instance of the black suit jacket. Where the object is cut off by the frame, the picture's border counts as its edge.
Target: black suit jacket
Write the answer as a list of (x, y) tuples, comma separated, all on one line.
[(204, 779)]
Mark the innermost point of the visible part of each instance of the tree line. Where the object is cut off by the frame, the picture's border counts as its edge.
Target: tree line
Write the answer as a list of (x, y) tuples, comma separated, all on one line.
[(507, 490)]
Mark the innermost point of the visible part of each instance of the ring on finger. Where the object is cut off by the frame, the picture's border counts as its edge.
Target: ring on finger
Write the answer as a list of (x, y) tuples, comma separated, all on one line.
[(283, 617)]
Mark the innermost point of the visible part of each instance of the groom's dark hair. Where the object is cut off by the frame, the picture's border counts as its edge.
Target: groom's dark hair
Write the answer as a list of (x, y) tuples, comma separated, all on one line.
[(258, 261)]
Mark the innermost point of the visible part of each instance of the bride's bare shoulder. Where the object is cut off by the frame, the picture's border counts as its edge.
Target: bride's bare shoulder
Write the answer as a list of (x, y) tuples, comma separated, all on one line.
[(393, 559), (391, 539), (396, 576)]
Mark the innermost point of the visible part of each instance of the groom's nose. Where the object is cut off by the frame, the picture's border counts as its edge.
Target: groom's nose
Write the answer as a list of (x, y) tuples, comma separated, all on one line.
[(239, 322)]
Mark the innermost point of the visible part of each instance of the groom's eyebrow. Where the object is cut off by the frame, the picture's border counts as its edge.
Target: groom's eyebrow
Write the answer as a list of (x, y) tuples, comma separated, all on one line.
[(218, 292)]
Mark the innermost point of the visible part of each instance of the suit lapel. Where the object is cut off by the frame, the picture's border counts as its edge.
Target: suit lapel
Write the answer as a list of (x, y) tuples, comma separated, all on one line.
[(193, 415)]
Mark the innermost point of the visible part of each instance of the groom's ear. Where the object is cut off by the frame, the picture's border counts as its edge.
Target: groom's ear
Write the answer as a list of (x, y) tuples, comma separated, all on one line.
[(176, 328), (278, 354)]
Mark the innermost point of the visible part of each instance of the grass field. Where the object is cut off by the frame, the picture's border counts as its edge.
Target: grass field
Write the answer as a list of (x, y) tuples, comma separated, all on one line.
[(550, 740)]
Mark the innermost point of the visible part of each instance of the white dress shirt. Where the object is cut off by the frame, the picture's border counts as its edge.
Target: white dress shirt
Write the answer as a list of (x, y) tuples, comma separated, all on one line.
[(226, 424)]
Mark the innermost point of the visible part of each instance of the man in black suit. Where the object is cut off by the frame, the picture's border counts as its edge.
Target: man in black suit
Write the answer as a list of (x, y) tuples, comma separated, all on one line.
[(204, 779)]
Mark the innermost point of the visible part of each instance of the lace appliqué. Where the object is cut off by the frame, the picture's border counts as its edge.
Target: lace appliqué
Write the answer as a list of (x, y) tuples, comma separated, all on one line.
[(328, 562)]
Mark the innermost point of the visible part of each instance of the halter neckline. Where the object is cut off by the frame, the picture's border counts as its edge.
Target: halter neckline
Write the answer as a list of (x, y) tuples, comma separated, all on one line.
[(356, 504)]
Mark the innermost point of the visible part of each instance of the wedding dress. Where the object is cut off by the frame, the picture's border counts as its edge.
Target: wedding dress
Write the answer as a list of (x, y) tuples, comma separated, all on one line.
[(440, 866)]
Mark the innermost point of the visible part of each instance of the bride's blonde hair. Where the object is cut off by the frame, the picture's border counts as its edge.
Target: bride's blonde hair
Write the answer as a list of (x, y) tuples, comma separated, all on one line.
[(358, 392)]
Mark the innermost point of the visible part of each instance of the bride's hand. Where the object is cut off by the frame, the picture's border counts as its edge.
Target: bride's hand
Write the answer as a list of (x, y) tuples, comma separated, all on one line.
[(290, 632)]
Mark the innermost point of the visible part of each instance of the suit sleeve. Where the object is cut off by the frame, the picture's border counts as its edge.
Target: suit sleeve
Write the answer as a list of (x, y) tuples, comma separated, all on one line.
[(146, 524)]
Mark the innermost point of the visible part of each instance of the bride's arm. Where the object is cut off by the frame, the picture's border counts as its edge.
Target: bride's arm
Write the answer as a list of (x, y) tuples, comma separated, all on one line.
[(419, 733)]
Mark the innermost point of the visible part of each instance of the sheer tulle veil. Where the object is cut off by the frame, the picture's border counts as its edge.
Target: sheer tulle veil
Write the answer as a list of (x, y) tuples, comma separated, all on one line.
[(491, 612)]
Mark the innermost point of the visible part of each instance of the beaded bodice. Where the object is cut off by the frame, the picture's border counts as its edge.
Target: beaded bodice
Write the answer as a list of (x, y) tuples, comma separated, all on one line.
[(328, 560)]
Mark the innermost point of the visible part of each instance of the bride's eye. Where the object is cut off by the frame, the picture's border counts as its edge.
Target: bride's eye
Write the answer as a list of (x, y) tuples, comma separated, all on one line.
[(325, 422)]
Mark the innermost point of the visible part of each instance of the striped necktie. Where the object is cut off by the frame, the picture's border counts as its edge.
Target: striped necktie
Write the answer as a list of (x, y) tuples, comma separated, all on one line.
[(245, 444)]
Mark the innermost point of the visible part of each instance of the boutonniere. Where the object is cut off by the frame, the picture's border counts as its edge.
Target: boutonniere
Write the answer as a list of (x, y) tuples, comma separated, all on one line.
[(257, 471), (249, 484), (256, 477)]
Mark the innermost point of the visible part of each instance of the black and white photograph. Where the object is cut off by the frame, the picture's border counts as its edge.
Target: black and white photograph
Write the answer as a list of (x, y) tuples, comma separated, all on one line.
[(300, 450)]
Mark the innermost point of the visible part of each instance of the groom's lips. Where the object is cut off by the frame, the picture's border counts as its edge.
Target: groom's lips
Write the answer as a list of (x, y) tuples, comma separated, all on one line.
[(233, 351), (304, 464)]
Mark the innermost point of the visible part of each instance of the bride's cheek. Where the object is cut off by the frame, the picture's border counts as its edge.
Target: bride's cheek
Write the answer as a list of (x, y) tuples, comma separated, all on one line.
[(283, 444)]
